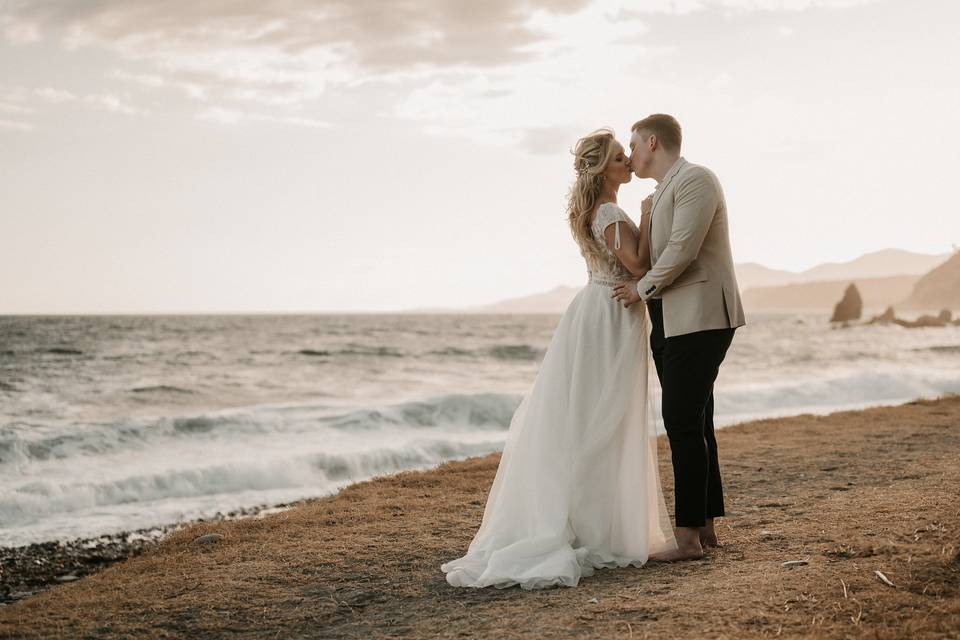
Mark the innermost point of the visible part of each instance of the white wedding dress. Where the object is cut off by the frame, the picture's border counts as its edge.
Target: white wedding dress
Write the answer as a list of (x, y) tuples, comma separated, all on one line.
[(578, 486)]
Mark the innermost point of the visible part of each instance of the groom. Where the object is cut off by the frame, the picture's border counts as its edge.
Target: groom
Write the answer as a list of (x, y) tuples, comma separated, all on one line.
[(694, 303)]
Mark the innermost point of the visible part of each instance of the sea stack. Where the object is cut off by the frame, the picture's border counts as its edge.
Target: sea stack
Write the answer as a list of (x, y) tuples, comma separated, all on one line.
[(850, 306)]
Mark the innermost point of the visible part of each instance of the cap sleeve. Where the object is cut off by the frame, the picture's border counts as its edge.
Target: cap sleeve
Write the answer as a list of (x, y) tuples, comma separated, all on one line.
[(607, 214)]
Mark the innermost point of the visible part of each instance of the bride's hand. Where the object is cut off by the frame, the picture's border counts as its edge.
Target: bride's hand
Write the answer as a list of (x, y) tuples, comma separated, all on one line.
[(646, 207)]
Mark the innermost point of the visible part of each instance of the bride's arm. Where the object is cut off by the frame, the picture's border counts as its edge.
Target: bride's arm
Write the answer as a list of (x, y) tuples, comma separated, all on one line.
[(633, 252), (629, 253)]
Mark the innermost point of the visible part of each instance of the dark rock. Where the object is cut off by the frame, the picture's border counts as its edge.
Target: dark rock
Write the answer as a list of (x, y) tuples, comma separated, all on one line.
[(942, 319), (850, 306), (313, 352), (207, 538), (887, 316), (927, 321)]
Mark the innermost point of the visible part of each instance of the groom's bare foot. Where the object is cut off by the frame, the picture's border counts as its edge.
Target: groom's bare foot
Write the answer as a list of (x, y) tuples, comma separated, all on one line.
[(708, 535), (688, 547)]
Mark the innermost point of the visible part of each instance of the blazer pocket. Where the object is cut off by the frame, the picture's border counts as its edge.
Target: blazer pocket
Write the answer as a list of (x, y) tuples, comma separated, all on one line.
[(691, 276)]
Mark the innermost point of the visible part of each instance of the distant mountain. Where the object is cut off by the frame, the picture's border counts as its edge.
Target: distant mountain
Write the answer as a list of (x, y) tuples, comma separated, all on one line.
[(878, 264), (883, 277), (877, 294), (751, 274), (938, 289), (553, 301)]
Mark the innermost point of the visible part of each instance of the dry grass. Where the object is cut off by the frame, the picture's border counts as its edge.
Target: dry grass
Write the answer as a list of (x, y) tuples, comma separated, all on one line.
[(852, 493)]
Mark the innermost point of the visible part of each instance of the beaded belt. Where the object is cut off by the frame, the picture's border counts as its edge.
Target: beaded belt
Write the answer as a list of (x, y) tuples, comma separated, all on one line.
[(603, 281)]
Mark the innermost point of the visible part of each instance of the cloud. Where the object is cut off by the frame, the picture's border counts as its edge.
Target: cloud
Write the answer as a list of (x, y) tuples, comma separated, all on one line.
[(599, 66), (6, 107), (548, 140), (17, 31), (455, 67), (56, 96), (145, 79), (114, 103), (13, 110), (15, 125), (232, 117), (105, 101), (264, 61), (680, 7), (198, 90), (584, 65), (276, 56), (365, 33), (791, 5)]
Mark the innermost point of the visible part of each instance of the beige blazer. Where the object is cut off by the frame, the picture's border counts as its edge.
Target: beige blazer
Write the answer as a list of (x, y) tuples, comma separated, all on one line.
[(692, 264)]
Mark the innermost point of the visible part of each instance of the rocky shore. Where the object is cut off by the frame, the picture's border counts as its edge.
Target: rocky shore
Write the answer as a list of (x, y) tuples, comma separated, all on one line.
[(29, 569)]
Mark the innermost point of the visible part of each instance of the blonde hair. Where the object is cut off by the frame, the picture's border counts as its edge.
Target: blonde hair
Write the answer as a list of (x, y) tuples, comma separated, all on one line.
[(590, 157)]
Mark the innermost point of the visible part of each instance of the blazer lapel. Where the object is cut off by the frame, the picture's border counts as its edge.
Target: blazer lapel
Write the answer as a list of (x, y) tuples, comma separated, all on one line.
[(674, 170)]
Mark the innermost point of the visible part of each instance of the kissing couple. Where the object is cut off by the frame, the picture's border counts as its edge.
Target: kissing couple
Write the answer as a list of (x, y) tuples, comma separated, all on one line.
[(578, 486)]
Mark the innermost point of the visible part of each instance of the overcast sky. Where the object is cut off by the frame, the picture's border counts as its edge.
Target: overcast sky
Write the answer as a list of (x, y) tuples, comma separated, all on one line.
[(373, 155)]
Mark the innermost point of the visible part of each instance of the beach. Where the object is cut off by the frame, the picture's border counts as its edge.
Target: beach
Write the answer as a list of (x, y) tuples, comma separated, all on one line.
[(864, 504)]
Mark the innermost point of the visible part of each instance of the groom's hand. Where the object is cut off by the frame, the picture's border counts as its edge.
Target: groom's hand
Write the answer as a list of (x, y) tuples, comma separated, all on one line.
[(626, 293)]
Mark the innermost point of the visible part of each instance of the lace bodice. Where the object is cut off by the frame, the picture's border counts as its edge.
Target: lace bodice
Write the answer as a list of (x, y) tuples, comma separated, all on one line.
[(609, 213)]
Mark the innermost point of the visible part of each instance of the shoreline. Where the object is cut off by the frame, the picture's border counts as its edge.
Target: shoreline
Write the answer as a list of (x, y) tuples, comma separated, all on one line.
[(846, 498), (29, 569)]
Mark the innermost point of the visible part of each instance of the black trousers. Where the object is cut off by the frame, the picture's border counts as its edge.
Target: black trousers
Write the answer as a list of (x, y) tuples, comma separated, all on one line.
[(687, 366)]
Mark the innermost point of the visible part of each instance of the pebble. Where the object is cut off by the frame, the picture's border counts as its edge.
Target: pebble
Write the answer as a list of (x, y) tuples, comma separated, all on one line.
[(795, 563)]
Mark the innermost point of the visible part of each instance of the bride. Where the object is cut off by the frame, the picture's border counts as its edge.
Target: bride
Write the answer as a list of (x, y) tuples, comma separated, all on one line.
[(578, 486)]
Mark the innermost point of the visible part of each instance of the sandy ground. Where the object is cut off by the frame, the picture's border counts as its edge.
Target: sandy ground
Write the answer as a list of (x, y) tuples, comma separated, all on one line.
[(852, 494)]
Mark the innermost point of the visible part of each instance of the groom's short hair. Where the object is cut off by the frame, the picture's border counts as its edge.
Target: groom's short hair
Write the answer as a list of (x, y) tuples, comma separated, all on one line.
[(664, 126)]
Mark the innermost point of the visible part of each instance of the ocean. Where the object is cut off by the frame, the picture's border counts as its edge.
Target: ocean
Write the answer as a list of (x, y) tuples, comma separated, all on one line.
[(113, 423)]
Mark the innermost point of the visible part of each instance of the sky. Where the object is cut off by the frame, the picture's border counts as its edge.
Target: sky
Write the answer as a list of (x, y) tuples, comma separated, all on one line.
[(366, 155)]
